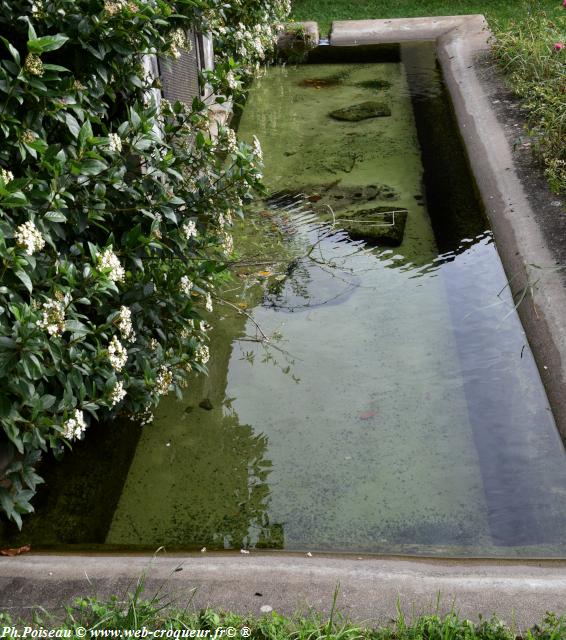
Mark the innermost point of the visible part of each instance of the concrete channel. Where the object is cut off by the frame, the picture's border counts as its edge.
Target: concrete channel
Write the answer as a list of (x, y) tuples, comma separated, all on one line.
[(529, 230)]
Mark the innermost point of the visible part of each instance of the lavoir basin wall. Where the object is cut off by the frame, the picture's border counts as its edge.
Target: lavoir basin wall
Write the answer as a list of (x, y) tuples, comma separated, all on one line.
[(400, 406)]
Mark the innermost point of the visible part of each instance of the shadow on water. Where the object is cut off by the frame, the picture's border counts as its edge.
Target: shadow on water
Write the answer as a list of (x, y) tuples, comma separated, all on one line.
[(200, 477), (76, 504)]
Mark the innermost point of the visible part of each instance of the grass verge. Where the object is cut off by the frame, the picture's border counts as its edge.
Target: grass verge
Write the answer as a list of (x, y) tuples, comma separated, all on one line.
[(133, 616), (532, 52)]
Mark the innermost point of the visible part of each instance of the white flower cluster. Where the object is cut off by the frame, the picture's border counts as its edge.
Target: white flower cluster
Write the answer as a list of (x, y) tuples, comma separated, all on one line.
[(114, 142), (53, 320), (190, 229), (124, 323), (33, 65), (179, 41), (28, 136), (227, 243), (163, 381), (202, 354), (145, 417), (117, 354), (38, 8), (257, 148), (7, 176), (208, 303), (109, 260), (232, 81), (231, 141), (113, 7), (253, 42), (186, 285), (28, 238), (74, 427), (118, 393)]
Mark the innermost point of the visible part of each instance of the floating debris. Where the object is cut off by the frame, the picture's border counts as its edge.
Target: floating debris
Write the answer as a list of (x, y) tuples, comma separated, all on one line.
[(319, 83), (17, 551)]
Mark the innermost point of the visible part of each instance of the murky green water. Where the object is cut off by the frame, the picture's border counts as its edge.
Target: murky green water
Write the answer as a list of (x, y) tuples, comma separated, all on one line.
[(397, 407)]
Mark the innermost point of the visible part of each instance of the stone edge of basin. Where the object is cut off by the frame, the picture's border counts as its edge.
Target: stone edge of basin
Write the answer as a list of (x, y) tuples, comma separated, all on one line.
[(297, 38), (461, 42), (369, 587)]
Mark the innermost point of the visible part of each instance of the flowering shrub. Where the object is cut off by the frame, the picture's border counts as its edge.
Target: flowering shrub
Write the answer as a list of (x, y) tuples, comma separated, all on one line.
[(244, 33), (114, 213)]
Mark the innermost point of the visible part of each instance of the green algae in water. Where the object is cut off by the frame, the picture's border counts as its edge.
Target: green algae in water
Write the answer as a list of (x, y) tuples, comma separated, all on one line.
[(399, 408), (334, 479), (366, 440)]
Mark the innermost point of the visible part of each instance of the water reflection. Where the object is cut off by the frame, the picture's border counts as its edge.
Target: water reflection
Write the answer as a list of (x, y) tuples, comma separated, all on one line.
[(200, 477)]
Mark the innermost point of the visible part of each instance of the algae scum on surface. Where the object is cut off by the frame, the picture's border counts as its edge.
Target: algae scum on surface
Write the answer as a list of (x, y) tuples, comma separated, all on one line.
[(397, 406)]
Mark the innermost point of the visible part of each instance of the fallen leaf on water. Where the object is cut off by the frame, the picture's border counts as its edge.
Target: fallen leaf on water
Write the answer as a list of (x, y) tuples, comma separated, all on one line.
[(16, 551), (367, 415)]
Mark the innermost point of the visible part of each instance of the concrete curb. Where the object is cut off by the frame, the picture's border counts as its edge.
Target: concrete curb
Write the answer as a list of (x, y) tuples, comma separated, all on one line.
[(370, 587)]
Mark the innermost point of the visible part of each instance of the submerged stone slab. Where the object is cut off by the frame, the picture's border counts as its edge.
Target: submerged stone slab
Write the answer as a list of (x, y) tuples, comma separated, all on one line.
[(362, 111), (378, 225), (339, 197)]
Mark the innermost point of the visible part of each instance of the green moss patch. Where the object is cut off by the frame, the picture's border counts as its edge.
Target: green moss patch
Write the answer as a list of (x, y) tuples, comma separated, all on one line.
[(377, 85), (362, 111)]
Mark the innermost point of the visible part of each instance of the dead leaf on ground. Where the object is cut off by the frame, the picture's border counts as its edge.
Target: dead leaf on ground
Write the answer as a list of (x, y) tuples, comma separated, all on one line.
[(17, 551)]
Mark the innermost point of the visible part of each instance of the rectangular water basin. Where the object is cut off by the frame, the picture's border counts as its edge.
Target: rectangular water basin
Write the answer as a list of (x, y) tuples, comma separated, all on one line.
[(397, 407)]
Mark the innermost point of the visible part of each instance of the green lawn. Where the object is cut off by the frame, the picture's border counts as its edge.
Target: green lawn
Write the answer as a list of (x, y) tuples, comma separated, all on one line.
[(325, 11)]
